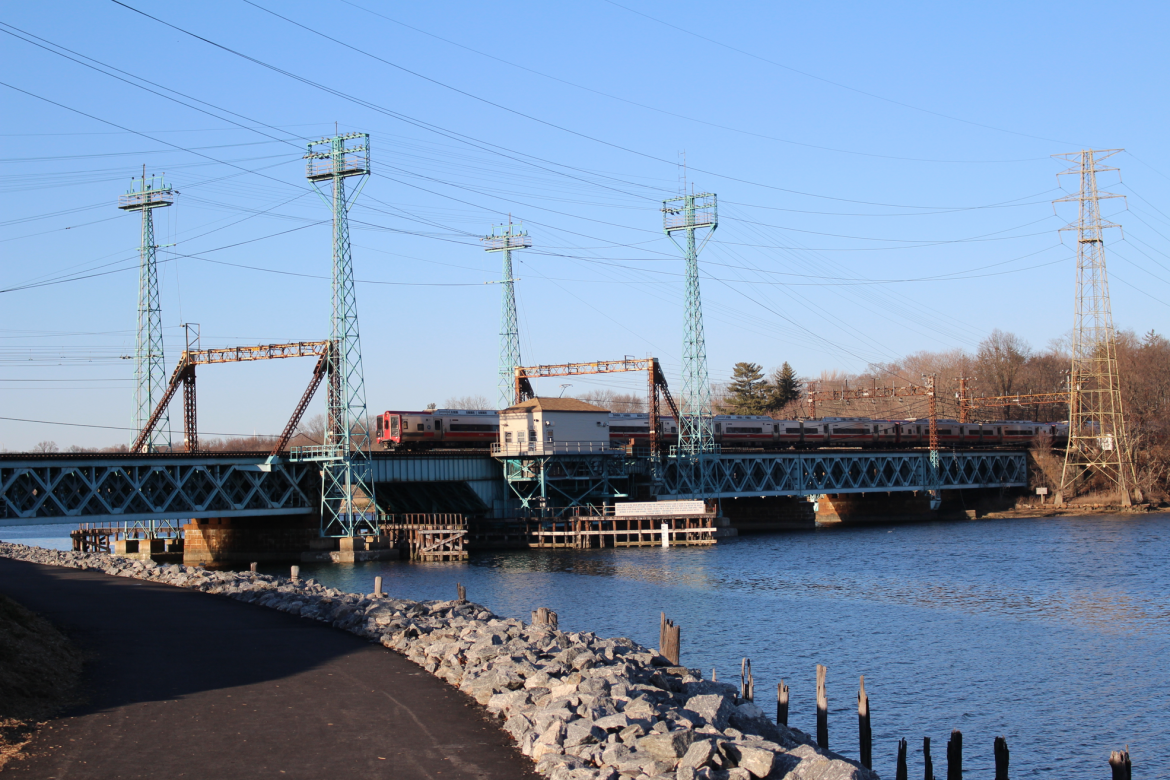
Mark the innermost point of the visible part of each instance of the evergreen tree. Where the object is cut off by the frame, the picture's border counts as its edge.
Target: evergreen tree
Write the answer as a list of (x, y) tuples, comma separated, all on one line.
[(747, 393), (783, 389)]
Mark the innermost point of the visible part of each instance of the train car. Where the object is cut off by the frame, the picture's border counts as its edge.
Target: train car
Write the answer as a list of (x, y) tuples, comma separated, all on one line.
[(744, 430), (471, 428)]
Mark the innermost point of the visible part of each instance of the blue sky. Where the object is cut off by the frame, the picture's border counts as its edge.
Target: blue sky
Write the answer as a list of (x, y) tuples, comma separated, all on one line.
[(884, 176)]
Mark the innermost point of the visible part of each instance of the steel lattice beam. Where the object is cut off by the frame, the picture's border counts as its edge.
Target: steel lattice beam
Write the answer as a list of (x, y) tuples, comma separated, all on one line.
[(802, 474), (65, 490)]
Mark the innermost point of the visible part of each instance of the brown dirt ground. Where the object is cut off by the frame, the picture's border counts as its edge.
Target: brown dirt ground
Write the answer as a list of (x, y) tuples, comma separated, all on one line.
[(39, 674)]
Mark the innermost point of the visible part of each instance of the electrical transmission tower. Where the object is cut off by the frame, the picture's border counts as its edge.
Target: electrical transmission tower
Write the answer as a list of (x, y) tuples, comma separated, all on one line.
[(505, 238), (1097, 440), (347, 486), (687, 214), (150, 373)]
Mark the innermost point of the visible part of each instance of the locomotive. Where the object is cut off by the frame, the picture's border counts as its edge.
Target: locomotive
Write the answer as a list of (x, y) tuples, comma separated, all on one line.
[(479, 429)]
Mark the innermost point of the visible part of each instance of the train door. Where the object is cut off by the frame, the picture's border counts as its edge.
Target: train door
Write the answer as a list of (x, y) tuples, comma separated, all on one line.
[(438, 429)]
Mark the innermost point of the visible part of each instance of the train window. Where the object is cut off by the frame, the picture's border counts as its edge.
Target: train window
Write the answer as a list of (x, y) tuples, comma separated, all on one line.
[(378, 426), (792, 430), (811, 430), (421, 427)]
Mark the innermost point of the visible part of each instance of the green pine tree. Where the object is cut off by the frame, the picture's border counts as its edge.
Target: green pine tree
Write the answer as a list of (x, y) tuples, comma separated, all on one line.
[(747, 393), (783, 389)]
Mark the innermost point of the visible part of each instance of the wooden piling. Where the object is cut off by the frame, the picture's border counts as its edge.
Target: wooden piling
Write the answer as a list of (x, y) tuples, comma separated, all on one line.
[(462, 591), (544, 617), (668, 639), (1119, 762), (902, 772), (378, 586), (955, 756), (864, 735), (928, 774), (747, 685), (1001, 759), (822, 709), (252, 567), (782, 703), (295, 573)]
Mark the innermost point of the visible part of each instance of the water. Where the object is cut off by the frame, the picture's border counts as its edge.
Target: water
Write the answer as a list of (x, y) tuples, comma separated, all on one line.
[(1051, 632)]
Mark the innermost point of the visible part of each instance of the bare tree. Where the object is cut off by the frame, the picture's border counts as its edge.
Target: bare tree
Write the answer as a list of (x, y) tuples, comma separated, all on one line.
[(614, 401), (468, 402), (46, 446), (1001, 356)]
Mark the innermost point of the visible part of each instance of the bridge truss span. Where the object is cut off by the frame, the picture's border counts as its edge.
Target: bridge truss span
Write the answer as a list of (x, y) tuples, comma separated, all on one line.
[(146, 487), (816, 473)]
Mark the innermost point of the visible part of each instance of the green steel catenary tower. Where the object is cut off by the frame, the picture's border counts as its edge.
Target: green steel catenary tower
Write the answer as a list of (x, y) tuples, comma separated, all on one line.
[(504, 239), (347, 487), (688, 213), (150, 373)]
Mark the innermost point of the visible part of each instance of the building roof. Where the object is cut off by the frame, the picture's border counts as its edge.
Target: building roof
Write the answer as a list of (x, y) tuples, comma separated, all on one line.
[(555, 405)]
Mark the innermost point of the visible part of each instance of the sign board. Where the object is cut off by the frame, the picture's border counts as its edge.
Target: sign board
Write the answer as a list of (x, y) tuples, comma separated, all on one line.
[(659, 508), (1106, 443), (1042, 491)]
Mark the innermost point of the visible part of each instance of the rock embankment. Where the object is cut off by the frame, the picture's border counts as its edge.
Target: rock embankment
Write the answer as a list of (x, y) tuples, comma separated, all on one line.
[(580, 706)]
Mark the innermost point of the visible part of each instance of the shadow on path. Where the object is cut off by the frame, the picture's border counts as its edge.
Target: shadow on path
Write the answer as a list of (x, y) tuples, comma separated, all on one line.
[(185, 684)]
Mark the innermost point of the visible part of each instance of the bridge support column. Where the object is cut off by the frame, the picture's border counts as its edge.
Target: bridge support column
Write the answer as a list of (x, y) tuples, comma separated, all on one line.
[(245, 539)]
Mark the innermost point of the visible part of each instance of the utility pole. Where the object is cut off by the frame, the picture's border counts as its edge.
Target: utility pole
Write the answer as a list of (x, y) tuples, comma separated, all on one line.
[(150, 377), (347, 485), (688, 214), (505, 238), (1097, 438)]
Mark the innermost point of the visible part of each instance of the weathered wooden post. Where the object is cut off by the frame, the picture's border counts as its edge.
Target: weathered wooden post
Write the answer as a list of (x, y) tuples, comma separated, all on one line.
[(1001, 759), (864, 735), (378, 587), (747, 685), (902, 772), (544, 617), (668, 639), (928, 774), (1119, 762), (252, 567), (782, 703), (822, 709), (955, 756), (296, 573), (462, 591)]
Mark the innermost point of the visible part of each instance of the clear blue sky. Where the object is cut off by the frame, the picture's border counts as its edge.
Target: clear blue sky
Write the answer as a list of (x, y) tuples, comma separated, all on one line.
[(884, 177)]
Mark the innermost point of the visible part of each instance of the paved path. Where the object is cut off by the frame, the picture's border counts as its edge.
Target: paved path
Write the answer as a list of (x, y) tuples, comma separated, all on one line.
[(185, 684)]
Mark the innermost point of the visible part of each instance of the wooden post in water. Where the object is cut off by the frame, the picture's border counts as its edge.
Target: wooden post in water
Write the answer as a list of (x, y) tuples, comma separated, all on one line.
[(864, 735), (668, 639), (544, 617), (1001, 759), (296, 573), (928, 774), (902, 772), (955, 756), (822, 709), (378, 587), (747, 685), (782, 703), (462, 591), (252, 567), (1119, 762)]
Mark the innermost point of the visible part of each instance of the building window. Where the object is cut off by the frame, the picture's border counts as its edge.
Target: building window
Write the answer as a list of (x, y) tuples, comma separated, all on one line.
[(508, 437)]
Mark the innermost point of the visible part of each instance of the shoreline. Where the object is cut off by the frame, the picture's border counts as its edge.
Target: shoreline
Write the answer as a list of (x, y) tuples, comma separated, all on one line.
[(580, 706)]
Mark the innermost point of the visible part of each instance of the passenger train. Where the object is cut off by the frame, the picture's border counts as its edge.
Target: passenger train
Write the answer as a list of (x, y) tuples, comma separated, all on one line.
[(479, 429)]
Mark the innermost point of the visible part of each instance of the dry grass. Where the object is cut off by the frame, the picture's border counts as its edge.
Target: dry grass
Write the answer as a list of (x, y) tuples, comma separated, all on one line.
[(39, 673)]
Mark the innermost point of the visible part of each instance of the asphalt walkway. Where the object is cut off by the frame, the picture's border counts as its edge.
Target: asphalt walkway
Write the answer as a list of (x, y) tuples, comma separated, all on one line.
[(185, 684)]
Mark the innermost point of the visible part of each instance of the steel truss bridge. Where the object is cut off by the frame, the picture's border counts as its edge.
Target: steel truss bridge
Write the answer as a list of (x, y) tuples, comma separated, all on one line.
[(63, 488), (816, 473)]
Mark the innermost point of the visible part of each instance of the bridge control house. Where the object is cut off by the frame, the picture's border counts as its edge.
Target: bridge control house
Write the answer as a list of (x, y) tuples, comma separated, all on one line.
[(549, 426)]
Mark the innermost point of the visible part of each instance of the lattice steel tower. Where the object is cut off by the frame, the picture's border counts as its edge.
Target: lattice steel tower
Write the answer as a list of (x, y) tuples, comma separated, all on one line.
[(346, 478), (505, 238), (688, 213), (1097, 439), (150, 372)]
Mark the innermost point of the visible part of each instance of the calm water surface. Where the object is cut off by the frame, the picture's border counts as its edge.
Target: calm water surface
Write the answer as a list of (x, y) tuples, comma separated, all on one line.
[(1051, 632)]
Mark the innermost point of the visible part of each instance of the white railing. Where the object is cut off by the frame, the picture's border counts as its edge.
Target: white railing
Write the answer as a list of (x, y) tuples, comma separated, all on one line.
[(512, 449)]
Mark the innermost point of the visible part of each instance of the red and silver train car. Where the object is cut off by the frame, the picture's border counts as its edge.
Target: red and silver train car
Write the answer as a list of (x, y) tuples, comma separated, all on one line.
[(479, 429)]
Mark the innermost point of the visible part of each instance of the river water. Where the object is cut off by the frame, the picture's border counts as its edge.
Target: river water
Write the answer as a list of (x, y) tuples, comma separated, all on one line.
[(1051, 632)]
